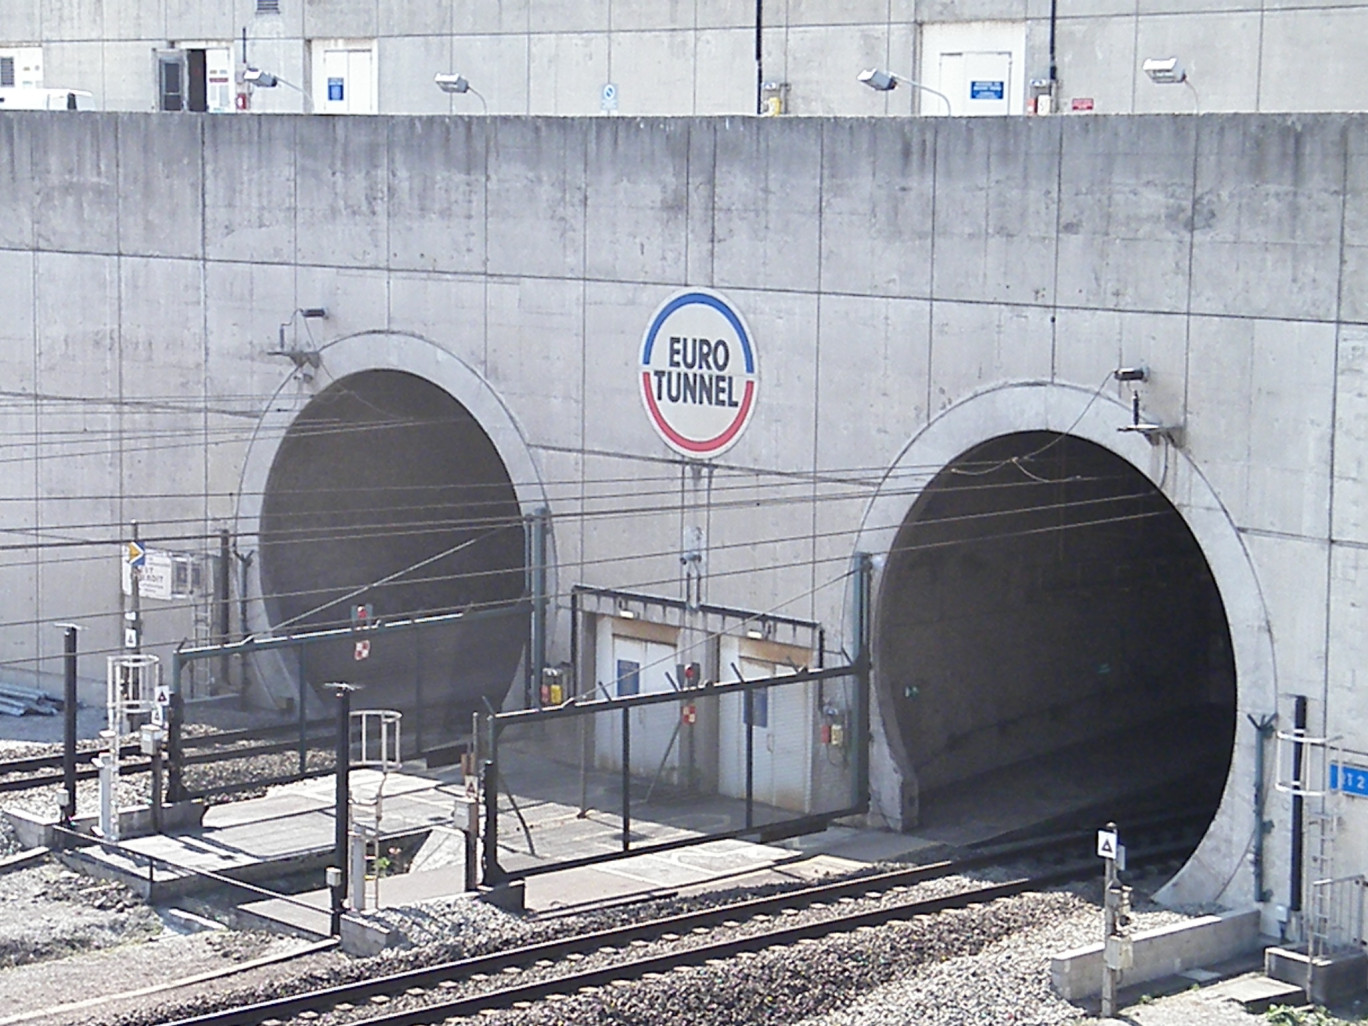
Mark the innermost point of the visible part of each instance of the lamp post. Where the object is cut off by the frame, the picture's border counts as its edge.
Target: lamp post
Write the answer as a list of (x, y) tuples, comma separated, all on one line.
[(886, 81)]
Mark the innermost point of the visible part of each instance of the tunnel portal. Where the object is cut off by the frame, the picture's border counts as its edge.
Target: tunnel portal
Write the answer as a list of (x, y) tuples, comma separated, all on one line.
[(386, 491), (1050, 633)]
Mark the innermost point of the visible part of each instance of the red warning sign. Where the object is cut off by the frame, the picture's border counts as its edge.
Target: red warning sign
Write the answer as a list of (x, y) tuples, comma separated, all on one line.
[(362, 650)]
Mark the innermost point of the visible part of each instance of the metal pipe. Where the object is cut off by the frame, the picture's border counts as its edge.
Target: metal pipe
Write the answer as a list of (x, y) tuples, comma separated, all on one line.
[(69, 724), (759, 56), (225, 603), (864, 576), (175, 730), (537, 654), (1054, 68), (342, 806), (1263, 729), (1294, 898), (626, 779), (748, 700)]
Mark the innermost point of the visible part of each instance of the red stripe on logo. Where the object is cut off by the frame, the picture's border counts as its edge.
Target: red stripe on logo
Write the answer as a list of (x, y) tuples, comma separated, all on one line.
[(688, 443)]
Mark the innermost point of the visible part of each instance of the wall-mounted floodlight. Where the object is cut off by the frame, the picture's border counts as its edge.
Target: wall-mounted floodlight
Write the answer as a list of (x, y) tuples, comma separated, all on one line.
[(878, 79), (451, 83), (306, 359), (885, 81), (266, 80), (259, 78), (1164, 70)]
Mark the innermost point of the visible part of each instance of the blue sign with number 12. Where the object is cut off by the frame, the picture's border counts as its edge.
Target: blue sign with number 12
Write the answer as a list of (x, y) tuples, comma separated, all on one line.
[(1349, 779)]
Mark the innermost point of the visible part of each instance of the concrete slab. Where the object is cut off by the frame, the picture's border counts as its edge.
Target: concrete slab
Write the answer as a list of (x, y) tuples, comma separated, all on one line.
[(1330, 980), (1255, 992), (289, 830)]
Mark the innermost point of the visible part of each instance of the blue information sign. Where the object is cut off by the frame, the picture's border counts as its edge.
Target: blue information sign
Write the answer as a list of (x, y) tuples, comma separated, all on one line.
[(334, 89), (987, 90), (1349, 779)]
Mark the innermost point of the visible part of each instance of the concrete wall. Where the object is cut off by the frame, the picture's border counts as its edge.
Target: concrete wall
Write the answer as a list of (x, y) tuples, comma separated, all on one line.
[(698, 56), (914, 288)]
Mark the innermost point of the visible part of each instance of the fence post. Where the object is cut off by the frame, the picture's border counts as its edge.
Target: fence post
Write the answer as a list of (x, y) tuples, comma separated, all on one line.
[(342, 807), (302, 717), (493, 872), (175, 749), (748, 702), (69, 723), (626, 778)]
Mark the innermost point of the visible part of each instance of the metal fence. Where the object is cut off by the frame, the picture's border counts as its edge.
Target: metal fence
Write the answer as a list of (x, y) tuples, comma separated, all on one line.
[(1341, 902), (595, 780), (221, 745)]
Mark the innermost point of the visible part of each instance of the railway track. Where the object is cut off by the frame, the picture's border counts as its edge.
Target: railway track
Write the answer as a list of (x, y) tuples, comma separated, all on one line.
[(426, 993), (35, 771)]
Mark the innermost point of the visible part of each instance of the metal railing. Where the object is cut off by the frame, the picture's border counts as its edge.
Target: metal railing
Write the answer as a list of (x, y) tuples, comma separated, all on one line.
[(595, 780)]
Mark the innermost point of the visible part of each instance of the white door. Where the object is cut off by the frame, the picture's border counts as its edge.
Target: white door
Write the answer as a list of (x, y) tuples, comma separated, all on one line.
[(781, 745), (344, 81), (977, 83), (639, 667), (218, 79)]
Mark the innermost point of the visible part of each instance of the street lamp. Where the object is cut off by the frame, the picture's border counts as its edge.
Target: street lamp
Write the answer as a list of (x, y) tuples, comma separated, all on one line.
[(450, 82), (886, 81), (266, 80)]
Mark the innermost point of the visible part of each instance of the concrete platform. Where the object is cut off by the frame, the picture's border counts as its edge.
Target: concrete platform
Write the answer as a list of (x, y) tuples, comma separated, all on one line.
[(288, 831)]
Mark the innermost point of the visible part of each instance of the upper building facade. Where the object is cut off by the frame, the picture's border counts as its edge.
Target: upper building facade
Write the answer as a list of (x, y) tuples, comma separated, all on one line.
[(690, 57)]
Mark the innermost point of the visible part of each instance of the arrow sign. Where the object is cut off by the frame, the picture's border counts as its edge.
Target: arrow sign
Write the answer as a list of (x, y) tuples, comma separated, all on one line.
[(136, 554)]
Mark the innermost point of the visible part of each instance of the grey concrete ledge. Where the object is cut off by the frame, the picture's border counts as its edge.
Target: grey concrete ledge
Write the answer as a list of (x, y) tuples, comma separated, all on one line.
[(1163, 951)]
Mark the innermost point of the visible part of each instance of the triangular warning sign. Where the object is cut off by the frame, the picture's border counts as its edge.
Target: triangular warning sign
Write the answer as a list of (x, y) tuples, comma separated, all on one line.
[(1106, 844)]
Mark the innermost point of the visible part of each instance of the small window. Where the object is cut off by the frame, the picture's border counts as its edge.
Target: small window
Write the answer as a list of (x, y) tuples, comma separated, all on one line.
[(628, 677), (268, 6), (6, 71)]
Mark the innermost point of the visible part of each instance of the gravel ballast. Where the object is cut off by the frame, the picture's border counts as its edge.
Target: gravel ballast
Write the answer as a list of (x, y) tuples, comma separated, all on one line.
[(65, 939)]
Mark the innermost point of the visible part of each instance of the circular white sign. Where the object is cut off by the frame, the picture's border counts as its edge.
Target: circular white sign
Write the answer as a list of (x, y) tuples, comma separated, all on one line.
[(699, 373)]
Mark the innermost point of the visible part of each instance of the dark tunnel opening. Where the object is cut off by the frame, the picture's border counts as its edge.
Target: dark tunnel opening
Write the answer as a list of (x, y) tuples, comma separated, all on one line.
[(385, 491), (1050, 634)]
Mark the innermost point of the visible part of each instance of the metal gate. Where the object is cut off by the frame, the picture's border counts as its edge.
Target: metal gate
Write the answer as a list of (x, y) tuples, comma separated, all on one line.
[(572, 786)]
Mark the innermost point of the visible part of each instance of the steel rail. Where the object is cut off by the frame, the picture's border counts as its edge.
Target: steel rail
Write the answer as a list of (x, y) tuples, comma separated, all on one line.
[(428, 977), (635, 968)]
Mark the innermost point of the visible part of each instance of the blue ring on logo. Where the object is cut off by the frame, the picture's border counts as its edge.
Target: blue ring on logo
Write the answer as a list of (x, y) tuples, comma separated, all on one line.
[(707, 300)]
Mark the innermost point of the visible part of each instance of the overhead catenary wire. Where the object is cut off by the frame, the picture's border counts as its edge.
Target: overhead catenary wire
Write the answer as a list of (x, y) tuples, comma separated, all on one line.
[(381, 529), (582, 565), (392, 526), (561, 597)]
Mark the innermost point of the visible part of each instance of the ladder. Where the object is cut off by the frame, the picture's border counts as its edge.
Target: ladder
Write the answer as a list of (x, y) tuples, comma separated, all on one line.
[(1307, 764)]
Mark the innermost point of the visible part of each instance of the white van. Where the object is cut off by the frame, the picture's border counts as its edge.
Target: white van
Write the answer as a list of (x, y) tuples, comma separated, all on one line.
[(28, 98)]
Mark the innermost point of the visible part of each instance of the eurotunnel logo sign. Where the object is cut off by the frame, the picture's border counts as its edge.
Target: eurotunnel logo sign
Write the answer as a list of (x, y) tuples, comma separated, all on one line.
[(699, 373)]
